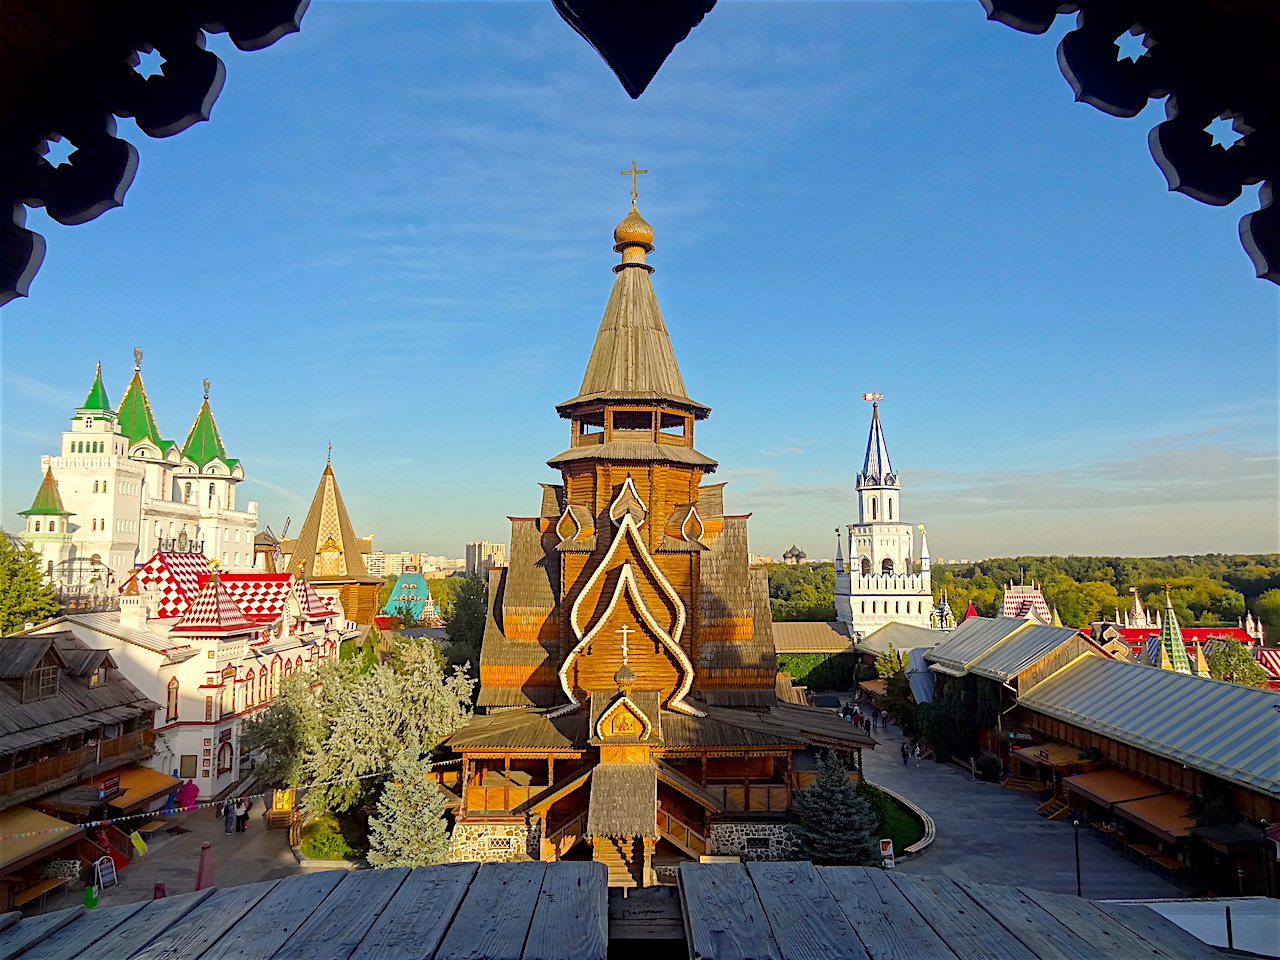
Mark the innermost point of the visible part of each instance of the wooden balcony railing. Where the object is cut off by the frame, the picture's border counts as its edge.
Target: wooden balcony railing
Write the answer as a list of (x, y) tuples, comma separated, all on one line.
[(558, 842), (499, 798), (762, 797), (684, 836), (75, 763)]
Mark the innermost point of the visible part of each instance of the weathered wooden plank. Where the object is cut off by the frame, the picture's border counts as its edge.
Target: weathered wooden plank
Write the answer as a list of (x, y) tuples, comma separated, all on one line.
[(22, 936), (1041, 931), (1089, 921), (414, 922), (571, 920), (807, 922), (495, 915), (963, 926), (74, 940), (351, 909), (883, 918), (7, 920), (723, 917), (1159, 931), (153, 919), (276, 916), (204, 925)]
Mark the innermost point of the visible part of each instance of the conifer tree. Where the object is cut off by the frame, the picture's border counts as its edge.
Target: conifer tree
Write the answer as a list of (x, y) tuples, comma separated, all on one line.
[(1232, 662), (836, 826), (24, 597), (409, 829)]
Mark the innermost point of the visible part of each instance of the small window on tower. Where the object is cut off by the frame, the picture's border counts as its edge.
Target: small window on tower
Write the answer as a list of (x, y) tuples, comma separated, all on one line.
[(891, 508), (591, 423), (886, 565), (873, 508), (37, 526), (673, 424), (866, 567)]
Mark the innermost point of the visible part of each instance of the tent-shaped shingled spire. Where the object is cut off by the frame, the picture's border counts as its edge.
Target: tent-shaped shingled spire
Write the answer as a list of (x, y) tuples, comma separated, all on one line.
[(203, 444), (632, 358), (135, 417), (327, 546), (876, 468), (213, 611), (1175, 648), (97, 398), (48, 501)]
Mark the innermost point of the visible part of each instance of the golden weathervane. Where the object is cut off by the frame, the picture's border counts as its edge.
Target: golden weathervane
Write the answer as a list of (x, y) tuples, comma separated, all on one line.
[(633, 173)]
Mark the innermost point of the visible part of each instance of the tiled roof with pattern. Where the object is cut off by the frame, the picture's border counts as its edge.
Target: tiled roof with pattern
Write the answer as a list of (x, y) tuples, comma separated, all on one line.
[(261, 597), (497, 651), (204, 444), (327, 520), (529, 587), (175, 578), (522, 730), (310, 602), (213, 612), (135, 417), (48, 501)]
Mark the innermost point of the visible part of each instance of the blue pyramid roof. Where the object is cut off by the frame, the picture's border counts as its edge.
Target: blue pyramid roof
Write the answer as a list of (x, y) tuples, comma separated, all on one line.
[(876, 468)]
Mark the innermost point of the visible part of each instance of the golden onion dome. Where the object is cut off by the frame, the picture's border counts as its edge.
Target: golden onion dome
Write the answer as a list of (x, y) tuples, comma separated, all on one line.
[(633, 229)]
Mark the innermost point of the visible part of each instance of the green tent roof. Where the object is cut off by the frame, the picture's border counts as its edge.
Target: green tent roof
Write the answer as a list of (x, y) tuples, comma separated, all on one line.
[(203, 444), (1171, 638), (47, 501), (135, 416), (97, 398)]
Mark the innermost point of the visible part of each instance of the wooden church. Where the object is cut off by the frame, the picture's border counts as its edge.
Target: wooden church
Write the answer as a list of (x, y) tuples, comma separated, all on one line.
[(629, 710)]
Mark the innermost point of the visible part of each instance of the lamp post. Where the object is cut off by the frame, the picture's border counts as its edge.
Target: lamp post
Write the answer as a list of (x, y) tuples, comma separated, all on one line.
[(1076, 827)]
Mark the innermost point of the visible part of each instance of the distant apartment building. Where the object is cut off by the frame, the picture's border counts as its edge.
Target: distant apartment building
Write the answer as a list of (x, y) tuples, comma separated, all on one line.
[(482, 554)]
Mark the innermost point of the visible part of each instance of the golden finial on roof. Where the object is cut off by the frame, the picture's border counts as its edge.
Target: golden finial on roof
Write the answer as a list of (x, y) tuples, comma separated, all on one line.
[(633, 237)]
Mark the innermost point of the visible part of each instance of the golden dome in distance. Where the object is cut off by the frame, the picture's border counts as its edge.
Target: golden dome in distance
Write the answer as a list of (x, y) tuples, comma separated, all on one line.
[(633, 229)]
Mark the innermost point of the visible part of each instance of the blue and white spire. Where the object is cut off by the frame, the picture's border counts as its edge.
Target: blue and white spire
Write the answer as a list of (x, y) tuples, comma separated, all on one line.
[(876, 468)]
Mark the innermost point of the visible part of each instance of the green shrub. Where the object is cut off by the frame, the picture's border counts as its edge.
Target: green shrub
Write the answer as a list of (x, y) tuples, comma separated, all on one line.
[(333, 837)]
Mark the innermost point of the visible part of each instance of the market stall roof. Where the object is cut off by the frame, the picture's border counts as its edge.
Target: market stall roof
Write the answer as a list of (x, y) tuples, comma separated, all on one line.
[(26, 833), (1051, 754), (141, 786), (1112, 786), (1165, 816), (1224, 729), (806, 637)]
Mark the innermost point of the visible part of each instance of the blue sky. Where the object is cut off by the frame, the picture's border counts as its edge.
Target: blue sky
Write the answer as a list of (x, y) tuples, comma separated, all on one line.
[(395, 235)]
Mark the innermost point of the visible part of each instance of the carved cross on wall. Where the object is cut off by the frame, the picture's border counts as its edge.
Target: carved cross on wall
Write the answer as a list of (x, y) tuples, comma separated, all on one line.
[(625, 631)]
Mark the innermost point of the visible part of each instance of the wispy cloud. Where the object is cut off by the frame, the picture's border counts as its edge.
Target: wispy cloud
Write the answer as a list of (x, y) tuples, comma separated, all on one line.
[(44, 393), (282, 491)]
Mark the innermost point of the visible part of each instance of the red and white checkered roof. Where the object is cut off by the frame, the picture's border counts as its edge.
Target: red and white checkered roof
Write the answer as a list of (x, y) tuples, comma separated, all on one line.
[(312, 605), (213, 612), (261, 596), (175, 577), (1269, 660)]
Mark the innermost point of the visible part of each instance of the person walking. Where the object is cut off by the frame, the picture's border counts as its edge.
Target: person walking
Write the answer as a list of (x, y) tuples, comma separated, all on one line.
[(241, 815), (905, 754), (916, 752), (228, 812), (866, 726)]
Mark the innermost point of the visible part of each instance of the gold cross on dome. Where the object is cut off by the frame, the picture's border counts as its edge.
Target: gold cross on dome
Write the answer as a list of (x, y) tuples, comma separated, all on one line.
[(633, 173), (875, 397)]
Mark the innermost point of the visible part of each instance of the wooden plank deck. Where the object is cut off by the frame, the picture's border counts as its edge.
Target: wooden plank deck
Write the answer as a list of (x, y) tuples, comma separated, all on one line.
[(1159, 931), (1084, 917), (571, 920), (350, 910), (19, 938), (74, 940), (723, 917), (495, 916), (965, 927), (145, 925), (807, 922), (1041, 932), (206, 924), (275, 918), (414, 922), (886, 923)]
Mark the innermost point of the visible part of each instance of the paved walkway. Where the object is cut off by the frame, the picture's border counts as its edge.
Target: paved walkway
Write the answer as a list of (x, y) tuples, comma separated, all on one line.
[(992, 835), (257, 854)]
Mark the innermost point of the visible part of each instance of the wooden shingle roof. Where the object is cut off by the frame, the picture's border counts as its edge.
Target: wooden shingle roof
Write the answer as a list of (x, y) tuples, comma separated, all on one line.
[(624, 800)]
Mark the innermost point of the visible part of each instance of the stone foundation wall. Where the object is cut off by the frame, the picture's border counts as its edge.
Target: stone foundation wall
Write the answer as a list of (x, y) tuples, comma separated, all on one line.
[(754, 841), (493, 842)]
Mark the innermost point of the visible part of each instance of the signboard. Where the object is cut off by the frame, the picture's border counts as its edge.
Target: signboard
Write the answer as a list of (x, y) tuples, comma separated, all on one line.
[(108, 787), (224, 735), (886, 854), (1042, 754), (1019, 736)]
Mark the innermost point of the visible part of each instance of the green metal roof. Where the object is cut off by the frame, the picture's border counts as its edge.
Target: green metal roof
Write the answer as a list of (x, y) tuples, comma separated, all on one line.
[(97, 398), (135, 416), (1171, 638), (48, 502), (203, 444)]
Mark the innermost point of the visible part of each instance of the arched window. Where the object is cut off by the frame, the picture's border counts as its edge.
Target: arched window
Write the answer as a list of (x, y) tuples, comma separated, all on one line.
[(873, 508), (262, 684), (275, 676), (896, 605), (866, 567), (886, 565), (186, 493), (37, 526), (227, 705), (864, 606), (891, 508), (248, 689), (873, 606), (171, 701), (95, 486), (224, 758), (297, 663), (53, 526), (212, 488), (288, 668)]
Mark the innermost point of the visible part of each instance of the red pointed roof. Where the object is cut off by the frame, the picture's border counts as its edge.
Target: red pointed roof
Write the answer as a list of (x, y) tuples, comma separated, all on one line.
[(309, 600), (176, 578), (970, 612), (213, 612)]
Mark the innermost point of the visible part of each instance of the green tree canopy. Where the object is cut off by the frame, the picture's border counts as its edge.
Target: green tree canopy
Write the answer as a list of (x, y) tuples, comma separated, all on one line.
[(24, 597), (836, 825), (409, 828), (1231, 661), (803, 591)]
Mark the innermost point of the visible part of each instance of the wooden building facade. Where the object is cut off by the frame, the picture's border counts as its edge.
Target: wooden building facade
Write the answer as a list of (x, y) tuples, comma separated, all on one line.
[(628, 670)]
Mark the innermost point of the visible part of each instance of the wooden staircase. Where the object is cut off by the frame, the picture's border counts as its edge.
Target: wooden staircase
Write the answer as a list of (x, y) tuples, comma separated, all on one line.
[(1055, 808), (624, 858), (1022, 783)]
